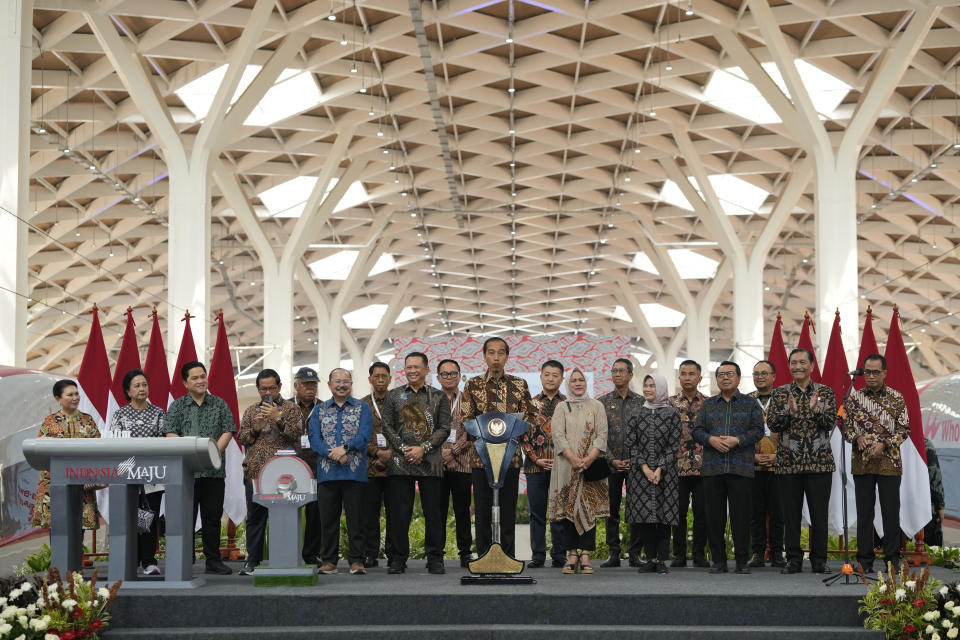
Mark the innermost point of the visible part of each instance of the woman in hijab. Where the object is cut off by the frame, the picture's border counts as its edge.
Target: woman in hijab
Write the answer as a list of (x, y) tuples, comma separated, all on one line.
[(652, 440), (579, 427)]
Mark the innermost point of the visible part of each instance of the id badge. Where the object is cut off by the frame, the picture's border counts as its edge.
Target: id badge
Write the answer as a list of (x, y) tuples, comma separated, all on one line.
[(381, 441), (304, 442)]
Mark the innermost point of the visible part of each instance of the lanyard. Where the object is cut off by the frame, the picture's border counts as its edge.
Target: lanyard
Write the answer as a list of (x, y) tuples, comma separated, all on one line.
[(375, 407), (763, 409)]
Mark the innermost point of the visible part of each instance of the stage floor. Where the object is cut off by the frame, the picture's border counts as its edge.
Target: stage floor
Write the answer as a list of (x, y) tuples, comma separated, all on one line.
[(623, 580), (618, 603)]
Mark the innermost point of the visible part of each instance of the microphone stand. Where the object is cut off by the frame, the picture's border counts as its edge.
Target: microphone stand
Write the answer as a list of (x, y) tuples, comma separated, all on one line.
[(847, 570)]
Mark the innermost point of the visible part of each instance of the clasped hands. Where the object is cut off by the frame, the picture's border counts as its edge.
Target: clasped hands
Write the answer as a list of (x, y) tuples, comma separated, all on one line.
[(579, 464), (869, 448), (724, 443), (652, 476), (338, 454), (814, 403), (413, 454)]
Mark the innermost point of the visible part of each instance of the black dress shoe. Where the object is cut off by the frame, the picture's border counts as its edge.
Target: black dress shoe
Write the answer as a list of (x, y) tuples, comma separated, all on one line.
[(743, 569), (822, 568), (719, 567), (535, 564), (217, 567), (661, 567), (777, 560), (371, 562), (612, 561), (557, 563), (465, 562), (678, 562), (867, 568), (756, 560), (791, 568), (648, 567), (634, 560), (701, 563), (247, 569), (436, 568), (395, 569)]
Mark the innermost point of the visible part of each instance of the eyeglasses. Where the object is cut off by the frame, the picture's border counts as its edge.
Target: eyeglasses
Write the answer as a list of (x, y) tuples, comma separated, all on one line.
[(619, 372), (760, 374), (726, 374), (872, 372), (449, 374)]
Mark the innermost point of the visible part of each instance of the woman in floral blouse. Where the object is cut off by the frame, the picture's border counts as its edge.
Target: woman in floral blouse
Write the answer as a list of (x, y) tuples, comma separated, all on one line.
[(69, 422)]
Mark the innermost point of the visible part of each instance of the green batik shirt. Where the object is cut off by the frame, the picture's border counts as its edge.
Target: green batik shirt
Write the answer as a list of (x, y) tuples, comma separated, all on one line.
[(210, 419)]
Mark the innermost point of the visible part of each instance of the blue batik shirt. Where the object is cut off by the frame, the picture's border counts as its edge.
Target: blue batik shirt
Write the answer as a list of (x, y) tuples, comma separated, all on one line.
[(333, 425)]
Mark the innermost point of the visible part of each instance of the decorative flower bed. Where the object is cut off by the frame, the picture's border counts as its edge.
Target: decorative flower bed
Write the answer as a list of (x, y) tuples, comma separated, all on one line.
[(49, 608), (912, 604)]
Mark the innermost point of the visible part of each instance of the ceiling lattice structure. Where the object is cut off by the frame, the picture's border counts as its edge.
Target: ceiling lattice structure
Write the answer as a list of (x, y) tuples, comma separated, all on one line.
[(516, 155)]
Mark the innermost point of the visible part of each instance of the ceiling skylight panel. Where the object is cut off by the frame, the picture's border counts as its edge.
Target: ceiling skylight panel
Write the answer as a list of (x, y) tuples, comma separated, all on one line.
[(658, 315), (295, 91), (370, 316), (729, 90)]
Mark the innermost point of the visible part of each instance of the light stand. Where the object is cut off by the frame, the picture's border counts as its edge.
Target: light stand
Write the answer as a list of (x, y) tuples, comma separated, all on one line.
[(847, 570)]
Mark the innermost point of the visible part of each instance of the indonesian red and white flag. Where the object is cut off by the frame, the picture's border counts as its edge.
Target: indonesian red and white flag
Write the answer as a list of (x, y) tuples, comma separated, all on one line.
[(868, 346), (835, 377), (158, 376), (778, 355), (93, 382), (187, 353), (915, 511), (223, 384), (94, 376), (128, 359)]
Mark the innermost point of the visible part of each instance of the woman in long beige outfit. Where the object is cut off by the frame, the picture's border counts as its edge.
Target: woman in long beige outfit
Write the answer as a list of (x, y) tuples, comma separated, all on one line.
[(579, 437)]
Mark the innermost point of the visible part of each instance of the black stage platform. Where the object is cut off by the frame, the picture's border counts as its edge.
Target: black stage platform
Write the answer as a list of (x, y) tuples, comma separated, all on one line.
[(617, 603)]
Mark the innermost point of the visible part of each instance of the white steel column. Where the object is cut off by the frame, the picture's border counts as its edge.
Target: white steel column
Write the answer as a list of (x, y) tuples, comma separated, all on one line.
[(16, 25), (836, 247), (836, 165), (278, 321), (188, 248)]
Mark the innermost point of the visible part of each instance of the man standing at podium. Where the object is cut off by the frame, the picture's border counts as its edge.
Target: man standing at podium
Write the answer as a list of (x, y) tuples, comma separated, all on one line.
[(496, 391), (204, 415)]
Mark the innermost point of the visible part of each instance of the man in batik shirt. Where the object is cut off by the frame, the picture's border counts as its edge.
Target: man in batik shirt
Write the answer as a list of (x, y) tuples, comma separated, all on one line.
[(496, 391), (688, 402), (537, 444), (415, 422), (875, 421)]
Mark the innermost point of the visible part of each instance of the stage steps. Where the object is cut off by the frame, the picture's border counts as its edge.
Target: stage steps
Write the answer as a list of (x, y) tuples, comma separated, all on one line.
[(616, 605), (497, 632)]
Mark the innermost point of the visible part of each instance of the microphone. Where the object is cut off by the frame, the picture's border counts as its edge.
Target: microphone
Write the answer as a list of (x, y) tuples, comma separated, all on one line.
[(855, 372)]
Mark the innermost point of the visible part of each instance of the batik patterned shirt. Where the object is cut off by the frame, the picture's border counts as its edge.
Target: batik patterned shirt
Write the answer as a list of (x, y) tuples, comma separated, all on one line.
[(333, 425), (880, 416), (262, 438), (537, 442), (141, 423), (804, 439), (690, 455), (619, 412), (418, 418), (506, 394)]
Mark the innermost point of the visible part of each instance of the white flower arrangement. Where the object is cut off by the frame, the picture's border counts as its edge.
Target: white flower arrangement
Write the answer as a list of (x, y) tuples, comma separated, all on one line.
[(900, 595), (882, 588), (952, 633), (929, 616), (911, 584)]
